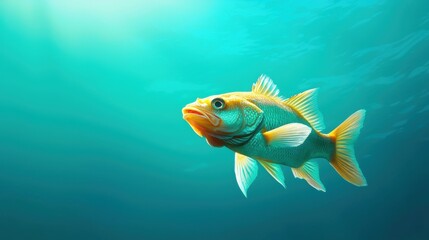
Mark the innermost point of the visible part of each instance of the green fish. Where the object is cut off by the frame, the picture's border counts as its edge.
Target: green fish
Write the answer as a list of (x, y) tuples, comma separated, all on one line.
[(262, 127)]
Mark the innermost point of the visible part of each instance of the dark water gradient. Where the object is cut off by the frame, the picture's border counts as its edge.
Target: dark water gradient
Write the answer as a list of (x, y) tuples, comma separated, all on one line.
[(93, 145)]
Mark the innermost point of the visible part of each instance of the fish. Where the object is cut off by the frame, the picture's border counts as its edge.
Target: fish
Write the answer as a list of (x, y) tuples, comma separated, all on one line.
[(263, 128)]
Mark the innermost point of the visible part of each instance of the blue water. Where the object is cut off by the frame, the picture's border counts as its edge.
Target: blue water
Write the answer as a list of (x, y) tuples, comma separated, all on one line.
[(93, 144)]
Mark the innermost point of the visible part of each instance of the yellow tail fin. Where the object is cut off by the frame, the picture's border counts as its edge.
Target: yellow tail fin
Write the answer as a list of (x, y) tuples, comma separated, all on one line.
[(344, 160)]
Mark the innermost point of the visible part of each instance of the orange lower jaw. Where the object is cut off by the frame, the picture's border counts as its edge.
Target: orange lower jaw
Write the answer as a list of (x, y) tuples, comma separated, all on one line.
[(197, 123), (197, 131)]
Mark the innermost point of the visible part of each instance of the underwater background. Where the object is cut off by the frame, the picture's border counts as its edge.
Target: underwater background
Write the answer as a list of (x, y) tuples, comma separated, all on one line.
[(93, 144)]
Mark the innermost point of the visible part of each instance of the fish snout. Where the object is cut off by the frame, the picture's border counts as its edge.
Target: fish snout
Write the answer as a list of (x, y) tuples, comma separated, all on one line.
[(197, 115)]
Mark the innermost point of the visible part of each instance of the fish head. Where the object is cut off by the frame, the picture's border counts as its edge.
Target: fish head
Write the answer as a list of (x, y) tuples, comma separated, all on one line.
[(223, 119)]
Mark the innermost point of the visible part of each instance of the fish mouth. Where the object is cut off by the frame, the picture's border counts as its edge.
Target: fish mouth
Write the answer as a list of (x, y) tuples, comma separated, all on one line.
[(200, 120), (194, 113)]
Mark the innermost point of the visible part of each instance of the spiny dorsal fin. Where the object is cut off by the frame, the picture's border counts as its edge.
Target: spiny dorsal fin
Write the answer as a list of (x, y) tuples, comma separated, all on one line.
[(264, 85), (305, 103)]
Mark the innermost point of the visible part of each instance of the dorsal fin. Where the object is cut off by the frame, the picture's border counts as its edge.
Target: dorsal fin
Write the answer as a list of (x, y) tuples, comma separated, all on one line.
[(305, 104), (264, 85)]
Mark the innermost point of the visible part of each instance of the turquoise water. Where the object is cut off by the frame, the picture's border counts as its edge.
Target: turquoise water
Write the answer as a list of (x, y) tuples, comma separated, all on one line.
[(93, 144)]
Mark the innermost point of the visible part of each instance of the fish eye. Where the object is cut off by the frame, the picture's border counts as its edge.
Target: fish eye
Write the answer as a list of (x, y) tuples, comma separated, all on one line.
[(218, 103)]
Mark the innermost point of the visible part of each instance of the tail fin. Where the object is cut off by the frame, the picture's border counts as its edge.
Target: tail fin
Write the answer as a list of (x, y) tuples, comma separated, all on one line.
[(344, 160)]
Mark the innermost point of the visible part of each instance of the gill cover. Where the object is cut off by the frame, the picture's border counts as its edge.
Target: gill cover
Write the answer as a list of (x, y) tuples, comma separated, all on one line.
[(241, 119)]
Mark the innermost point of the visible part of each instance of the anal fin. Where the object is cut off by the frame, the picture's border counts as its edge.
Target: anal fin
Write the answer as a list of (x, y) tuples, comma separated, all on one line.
[(275, 171), (310, 172)]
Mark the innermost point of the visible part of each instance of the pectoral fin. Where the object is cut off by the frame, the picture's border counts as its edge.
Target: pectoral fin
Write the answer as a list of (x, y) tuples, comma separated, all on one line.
[(246, 170), (275, 171), (289, 135), (310, 172)]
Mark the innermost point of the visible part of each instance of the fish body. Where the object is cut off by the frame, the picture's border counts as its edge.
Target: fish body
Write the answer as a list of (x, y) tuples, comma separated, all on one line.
[(277, 114), (262, 127)]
